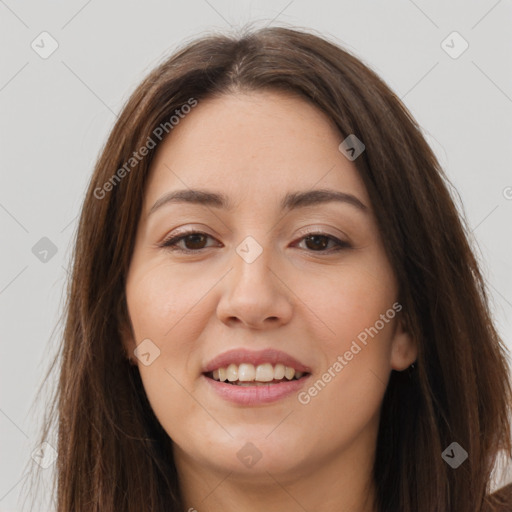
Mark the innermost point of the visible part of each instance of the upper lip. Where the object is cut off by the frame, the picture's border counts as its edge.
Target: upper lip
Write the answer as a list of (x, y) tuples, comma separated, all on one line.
[(242, 355)]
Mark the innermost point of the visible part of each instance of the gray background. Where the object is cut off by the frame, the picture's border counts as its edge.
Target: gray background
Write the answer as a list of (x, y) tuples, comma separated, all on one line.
[(57, 112)]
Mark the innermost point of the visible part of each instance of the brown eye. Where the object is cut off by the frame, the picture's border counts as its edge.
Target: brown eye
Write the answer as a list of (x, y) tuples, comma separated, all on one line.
[(318, 242), (193, 241)]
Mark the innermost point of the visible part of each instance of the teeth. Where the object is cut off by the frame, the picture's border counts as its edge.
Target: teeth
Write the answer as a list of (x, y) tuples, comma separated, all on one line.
[(264, 372), (279, 371), (289, 372), (232, 372), (246, 374)]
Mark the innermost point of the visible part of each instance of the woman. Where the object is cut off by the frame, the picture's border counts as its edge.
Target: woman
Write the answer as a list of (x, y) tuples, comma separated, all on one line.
[(273, 302)]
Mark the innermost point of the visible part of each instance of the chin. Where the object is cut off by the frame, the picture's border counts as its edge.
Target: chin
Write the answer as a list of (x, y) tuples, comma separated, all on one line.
[(254, 452)]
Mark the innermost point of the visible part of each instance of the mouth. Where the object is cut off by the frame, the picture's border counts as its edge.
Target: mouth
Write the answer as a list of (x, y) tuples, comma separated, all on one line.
[(252, 378), (247, 374)]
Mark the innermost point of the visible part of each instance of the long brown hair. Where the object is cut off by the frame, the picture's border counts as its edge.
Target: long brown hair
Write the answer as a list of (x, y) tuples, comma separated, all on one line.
[(114, 455)]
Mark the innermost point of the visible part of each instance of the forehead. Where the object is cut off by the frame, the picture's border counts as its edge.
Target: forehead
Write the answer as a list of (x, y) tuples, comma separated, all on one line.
[(253, 147)]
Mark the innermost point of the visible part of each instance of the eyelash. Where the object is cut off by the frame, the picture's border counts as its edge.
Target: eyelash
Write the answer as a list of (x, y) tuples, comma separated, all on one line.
[(171, 243)]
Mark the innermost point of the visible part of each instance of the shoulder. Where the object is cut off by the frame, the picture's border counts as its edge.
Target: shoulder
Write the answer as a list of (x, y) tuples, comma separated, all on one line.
[(500, 500)]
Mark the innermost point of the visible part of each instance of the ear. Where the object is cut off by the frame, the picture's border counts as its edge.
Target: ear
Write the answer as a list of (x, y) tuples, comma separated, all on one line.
[(404, 349)]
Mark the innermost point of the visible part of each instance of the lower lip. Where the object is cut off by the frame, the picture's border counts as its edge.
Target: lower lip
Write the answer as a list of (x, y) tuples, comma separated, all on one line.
[(255, 395)]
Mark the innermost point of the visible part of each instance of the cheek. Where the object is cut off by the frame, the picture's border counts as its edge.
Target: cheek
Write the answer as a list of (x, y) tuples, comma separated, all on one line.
[(350, 300), (342, 400), (163, 307), (358, 306), (172, 304), (164, 304)]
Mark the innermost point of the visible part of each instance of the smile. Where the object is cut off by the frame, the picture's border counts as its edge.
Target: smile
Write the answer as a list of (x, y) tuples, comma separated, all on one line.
[(247, 374), (251, 378)]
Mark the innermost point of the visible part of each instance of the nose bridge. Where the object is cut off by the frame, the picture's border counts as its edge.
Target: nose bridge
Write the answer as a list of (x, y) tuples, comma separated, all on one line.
[(252, 293), (252, 264)]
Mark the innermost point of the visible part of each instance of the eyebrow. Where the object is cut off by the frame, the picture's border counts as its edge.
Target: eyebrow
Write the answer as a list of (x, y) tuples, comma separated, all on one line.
[(291, 201)]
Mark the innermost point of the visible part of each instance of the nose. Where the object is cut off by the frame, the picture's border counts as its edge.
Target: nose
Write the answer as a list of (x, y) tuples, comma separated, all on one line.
[(254, 295)]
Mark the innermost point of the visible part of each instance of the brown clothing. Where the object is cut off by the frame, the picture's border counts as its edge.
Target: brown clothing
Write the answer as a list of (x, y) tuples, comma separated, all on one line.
[(500, 500)]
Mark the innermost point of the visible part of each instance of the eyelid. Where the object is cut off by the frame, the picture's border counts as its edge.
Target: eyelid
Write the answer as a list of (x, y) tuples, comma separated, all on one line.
[(304, 231), (186, 230), (171, 242), (341, 242), (313, 229), (177, 236)]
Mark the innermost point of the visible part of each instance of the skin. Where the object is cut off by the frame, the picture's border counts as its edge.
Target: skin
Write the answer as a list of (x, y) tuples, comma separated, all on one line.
[(297, 296)]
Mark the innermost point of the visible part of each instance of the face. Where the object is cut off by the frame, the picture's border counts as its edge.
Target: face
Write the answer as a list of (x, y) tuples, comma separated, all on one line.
[(256, 287)]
